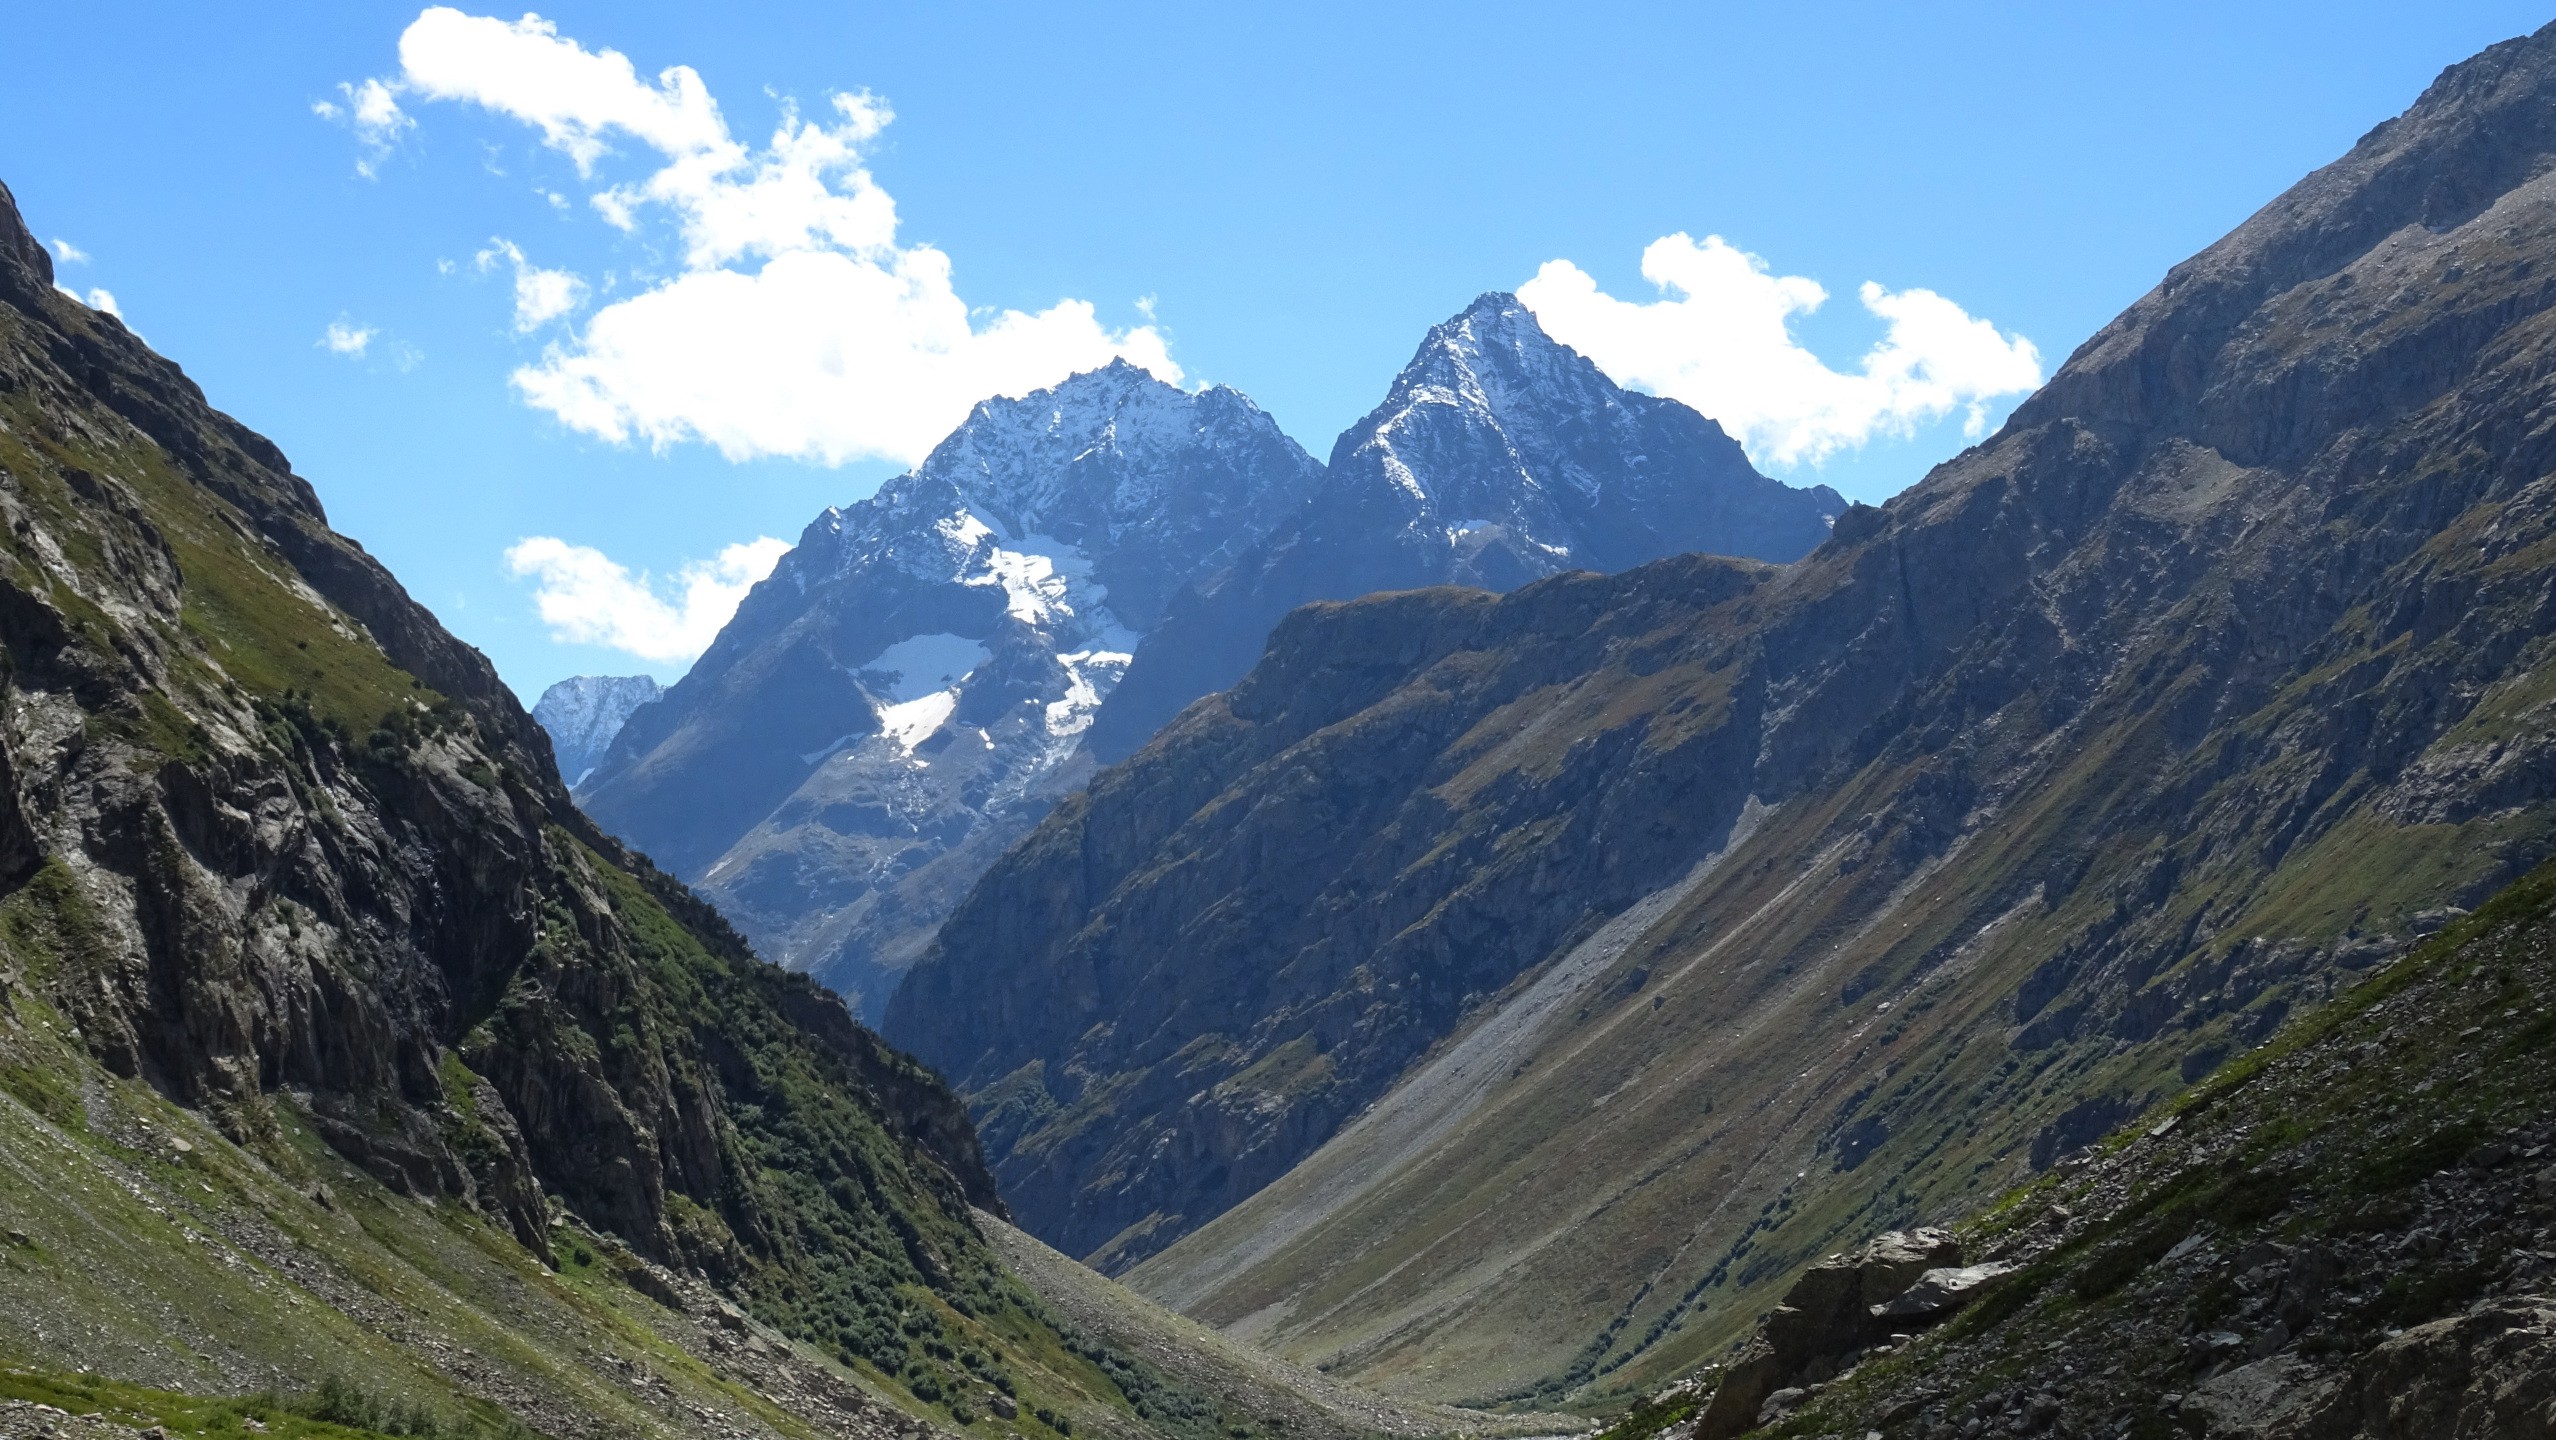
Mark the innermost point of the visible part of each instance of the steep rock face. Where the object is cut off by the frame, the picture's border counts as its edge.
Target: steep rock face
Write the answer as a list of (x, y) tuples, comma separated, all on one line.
[(1498, 456), (582, 713), (905, 694), (1751, 911), (276, 847)]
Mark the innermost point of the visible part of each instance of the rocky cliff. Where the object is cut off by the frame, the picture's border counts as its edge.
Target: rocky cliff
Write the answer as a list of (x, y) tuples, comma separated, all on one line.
[(905, 695), (1533, 984), (328, 1026), (1498, 456)]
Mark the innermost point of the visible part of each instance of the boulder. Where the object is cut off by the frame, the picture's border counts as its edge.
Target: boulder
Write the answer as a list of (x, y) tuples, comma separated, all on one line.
[(1940, 1292), (1832, 1314)]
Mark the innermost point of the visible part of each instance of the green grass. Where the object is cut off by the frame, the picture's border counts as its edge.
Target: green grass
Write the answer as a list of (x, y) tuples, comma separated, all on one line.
[(2327, 1132), (336, 1409)]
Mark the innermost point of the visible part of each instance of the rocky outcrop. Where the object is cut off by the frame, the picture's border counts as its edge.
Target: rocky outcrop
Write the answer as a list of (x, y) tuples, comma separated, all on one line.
[(1838, 1309), (1691, 923)]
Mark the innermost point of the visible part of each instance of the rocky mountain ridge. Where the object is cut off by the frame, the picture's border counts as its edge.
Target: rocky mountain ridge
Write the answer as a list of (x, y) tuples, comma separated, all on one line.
[(1506, 997), (906, 693), (1498, 456)]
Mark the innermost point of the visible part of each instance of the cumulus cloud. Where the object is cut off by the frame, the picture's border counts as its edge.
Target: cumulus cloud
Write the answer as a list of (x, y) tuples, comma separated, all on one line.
[(586, 597), (541, 296), (348, 340), (99, 300), (576, 96), (64, 252), (371, 109), (796, 325), (1720, 338)]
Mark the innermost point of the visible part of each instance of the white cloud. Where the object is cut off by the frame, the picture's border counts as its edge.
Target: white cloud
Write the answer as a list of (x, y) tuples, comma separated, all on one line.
[(350, 341), (67, 253), (99, 300), (371, 110), (797, 326), (586, 597), (1720, 339), (819, 355), (522, 68), (541, 296)]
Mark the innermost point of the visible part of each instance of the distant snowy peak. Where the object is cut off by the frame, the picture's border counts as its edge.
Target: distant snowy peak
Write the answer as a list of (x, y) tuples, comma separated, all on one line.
[(1033, 457), (909, 689), (1106, 451), (1498, 456), (1492, 413), (1497, 433), (583, 713), (1112, 479)]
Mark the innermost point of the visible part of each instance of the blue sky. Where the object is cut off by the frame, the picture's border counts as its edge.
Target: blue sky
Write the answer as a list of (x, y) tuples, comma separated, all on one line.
[(1280, 199)]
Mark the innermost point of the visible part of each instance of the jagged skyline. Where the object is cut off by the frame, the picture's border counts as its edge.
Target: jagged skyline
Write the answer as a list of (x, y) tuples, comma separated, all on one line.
[(423, 289)]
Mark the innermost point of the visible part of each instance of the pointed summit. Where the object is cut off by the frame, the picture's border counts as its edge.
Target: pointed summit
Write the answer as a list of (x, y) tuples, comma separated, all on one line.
[(904, 693), (1499, 456)]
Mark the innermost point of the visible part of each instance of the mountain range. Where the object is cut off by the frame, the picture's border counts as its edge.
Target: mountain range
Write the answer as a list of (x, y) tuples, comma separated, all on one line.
[(2062, 952), (1504, 996), (353, 1083), (1499, 456), (932, 668), (908, 690)]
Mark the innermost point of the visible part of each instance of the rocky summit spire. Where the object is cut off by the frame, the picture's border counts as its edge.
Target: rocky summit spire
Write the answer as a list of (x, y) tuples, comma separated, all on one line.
[(1499, 456)]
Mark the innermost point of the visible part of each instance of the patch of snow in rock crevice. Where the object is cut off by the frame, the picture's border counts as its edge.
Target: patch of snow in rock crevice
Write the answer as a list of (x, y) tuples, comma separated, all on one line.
[(1090, 676), (813, 756), (912, 722), (922, 664)]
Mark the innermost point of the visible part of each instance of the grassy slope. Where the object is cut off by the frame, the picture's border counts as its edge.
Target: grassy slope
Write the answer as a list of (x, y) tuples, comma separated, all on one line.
[(2168, 835), (217, 1268), (2398, 1129), (1302, 1404)]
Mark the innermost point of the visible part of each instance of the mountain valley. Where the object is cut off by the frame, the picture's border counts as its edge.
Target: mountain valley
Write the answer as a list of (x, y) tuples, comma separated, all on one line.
[(1526, 928), (1502, 998), (352, 1082), (932, 668)]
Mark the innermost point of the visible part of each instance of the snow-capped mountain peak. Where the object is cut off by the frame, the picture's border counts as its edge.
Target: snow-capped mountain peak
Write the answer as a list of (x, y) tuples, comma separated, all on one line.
[(584, 712), (1498, 456), (916, 675)]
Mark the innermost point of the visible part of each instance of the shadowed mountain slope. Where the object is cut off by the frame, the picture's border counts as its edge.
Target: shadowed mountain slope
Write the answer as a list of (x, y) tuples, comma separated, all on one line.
[(1498, 456), (337, 1048), (1505, 996)]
